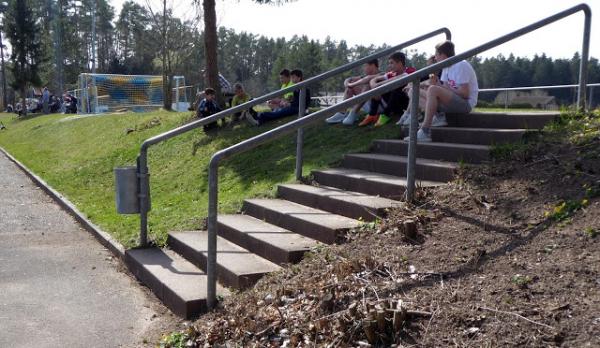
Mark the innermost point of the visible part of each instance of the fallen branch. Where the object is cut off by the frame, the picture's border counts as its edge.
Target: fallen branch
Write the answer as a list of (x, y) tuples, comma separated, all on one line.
[(270, 327), (545, 159), (420, 273), (518, 316), (331, 315)]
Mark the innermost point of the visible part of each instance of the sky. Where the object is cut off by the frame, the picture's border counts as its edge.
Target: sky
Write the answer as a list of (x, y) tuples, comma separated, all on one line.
[(472, 22)]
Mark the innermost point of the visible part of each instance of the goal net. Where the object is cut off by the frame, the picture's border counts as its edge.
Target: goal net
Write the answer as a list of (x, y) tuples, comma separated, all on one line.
[(100, 93)]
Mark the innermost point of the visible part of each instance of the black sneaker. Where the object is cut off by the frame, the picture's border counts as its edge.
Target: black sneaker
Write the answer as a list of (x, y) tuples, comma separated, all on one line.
[(252, 117)]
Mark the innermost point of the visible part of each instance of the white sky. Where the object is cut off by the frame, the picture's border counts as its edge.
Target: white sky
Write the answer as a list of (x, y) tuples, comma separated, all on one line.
[(472, 22)]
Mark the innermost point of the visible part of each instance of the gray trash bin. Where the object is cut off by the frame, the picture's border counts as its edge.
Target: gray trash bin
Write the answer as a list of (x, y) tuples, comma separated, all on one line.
[(127, 190)]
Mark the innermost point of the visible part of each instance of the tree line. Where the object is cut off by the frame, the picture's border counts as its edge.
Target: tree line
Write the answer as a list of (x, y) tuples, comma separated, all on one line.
[(131, 42)]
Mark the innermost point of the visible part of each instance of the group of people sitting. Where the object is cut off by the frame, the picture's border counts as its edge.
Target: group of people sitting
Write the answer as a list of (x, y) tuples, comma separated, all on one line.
[(287, 105), (453, 90), (208, 106), (48, 103), (281, 107)]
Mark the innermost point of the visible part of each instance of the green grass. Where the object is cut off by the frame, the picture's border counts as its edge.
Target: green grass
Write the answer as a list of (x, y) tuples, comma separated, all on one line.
[(581, 128), (77, 158), (494, 109), (508, 151)]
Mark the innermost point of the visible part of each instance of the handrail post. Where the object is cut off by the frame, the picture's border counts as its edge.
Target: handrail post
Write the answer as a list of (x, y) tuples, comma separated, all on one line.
[(211, 264), (412, 142), (581, 97), (300, 136), (142, 169)]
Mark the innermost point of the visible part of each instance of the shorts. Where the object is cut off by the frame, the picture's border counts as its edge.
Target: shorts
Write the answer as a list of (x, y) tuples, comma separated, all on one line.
[(457, 105)]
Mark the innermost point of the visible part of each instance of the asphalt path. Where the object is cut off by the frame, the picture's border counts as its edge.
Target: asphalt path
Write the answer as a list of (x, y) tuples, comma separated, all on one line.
[(59, 287)]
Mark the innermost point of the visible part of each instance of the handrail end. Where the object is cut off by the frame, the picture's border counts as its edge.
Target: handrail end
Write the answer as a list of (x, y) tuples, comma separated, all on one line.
[(585, 8), (448, 33), (215, 160)]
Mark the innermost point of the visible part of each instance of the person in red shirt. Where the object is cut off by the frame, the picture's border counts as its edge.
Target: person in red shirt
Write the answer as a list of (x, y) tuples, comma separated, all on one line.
[(395, 101)]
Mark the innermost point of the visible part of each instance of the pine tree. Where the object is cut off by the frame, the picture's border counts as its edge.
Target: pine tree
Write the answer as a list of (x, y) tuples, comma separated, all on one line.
[(23, 30)]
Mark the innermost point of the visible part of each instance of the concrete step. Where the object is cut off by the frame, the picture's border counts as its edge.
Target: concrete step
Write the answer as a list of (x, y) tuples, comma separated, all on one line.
[(346, 203), (313, 223), (479, 136), (180, 285), (370, 183), (271, 242), (426, 169), (236, 267), (453, 152), (505, 120)]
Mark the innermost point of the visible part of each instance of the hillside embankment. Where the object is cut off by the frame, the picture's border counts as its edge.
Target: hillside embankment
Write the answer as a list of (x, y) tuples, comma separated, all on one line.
[(506, 255)]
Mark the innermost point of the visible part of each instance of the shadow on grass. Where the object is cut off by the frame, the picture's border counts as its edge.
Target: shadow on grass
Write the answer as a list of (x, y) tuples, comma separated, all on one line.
[(275, 161)]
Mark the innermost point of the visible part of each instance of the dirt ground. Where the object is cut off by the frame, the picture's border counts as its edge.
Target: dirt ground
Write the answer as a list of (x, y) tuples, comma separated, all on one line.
[(498, 261)]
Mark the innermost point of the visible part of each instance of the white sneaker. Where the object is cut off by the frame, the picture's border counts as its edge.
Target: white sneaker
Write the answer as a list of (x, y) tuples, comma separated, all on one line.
[(350, 119), (439, 120), (404, 120), (421, 137), (337, 118)]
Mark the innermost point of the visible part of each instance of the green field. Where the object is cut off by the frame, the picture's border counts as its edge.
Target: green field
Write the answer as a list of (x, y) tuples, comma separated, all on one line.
[(76, 156), (480, 109)]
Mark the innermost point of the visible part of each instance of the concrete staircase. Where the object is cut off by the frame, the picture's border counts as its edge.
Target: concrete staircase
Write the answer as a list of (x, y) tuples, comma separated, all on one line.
[(270, 233)]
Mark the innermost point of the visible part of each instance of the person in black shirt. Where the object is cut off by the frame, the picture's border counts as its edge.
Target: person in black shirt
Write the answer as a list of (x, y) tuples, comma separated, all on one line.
[(207, 107), (258, 119)]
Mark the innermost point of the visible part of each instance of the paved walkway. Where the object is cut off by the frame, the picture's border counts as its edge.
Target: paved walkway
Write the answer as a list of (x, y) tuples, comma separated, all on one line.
[(58, 286)]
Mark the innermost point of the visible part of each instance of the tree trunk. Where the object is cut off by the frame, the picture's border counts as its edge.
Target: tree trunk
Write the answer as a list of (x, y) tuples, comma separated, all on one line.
[(211, 72), (24, 102), (166, 84)]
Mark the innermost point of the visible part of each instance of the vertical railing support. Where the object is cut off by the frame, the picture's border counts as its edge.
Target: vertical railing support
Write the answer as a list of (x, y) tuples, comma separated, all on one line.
[(585, 49), (142, 169), (300, 136), (412, 142), (211, 264)]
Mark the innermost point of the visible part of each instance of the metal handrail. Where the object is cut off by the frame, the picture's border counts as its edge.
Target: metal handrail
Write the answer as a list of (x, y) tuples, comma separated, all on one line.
[(506, 89), (413, 78), (142, 160), (502, 89)]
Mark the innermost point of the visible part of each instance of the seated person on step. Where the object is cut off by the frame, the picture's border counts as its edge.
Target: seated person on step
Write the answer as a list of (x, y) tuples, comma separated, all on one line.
[(455, 92), (423, 86), (394, 101), (258, 119), (284, 101), (207, 107), (354, 86)]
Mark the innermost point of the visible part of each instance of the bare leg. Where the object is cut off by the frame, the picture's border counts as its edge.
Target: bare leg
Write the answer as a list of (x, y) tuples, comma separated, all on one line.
[(408, 91), (435, 96), (351, 92), (422, 98), (363, 89)]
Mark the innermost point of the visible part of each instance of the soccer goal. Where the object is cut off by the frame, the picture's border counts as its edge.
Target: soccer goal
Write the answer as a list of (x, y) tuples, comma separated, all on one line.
[(110, 92)]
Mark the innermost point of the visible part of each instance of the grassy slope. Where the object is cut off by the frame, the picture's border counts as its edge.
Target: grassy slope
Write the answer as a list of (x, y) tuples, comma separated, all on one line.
[(77, 158)]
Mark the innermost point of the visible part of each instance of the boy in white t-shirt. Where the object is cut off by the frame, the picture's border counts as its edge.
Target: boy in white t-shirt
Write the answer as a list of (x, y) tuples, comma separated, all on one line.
[(455, 92)]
